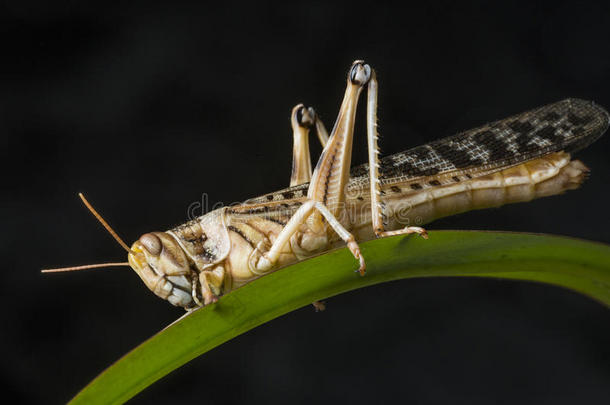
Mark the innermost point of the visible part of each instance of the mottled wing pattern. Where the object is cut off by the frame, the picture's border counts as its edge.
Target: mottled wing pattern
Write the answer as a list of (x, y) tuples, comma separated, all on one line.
[(567, 125), (291, 193)]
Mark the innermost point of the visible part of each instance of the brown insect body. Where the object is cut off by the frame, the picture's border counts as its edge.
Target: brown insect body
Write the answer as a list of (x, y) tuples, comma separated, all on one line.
[(261, 223), (408, 200), (517, 159)]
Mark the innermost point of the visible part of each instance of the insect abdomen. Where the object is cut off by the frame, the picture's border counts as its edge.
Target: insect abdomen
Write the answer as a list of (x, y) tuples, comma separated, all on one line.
[(550, 175)]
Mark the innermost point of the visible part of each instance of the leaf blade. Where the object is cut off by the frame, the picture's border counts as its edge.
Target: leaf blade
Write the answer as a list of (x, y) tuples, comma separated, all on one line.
[(570, 263)]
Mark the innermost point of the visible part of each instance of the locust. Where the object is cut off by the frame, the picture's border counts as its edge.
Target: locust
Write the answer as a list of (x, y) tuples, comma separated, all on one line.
[(516, 159)]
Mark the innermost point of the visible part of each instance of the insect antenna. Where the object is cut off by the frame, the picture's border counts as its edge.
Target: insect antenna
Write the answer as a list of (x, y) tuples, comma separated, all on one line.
[(87, 266), (105, 224), (95, 266)]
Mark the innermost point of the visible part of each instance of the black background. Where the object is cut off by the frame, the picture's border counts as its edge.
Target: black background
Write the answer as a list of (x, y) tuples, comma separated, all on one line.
[(145, 107)]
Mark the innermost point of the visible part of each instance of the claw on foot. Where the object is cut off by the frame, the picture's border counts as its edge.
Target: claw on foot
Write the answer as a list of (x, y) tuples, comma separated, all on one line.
[(355, 249), (362, 268), (319, 306), (405, 231), (420, 231), (258, 260), (210, 299), (264, 264)]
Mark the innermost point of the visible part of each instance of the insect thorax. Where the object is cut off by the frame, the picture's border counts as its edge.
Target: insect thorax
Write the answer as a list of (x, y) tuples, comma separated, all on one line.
[(204, 239)]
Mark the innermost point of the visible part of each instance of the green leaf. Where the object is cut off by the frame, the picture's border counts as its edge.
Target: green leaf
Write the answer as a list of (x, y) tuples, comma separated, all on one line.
[(575, 264)]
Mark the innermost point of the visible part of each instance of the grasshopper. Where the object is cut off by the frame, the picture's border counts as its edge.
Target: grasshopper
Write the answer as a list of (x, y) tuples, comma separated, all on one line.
[(516, 159)]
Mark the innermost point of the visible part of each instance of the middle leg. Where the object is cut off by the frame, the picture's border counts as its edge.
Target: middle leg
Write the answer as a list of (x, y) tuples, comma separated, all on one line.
[(264, 261)]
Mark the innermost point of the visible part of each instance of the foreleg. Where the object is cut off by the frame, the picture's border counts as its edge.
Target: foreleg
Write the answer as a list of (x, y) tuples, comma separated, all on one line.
[(302, 119), (211, 282)]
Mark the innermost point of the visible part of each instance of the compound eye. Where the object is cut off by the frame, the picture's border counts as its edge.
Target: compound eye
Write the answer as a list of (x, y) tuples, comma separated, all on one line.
[(152, 243), (360, 73)]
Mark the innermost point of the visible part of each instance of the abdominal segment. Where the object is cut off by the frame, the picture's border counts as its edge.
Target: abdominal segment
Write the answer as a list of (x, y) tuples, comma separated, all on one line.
[(545, 176)]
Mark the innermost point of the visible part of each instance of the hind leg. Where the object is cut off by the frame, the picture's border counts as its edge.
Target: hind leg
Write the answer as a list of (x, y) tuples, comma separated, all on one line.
[(377, 205)]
